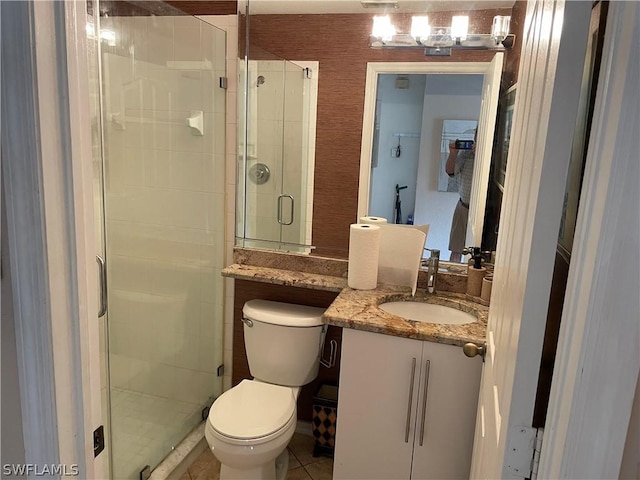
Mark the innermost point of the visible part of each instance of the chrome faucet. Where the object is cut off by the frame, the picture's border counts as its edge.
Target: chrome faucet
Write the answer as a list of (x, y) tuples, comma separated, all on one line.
[(432, 263)]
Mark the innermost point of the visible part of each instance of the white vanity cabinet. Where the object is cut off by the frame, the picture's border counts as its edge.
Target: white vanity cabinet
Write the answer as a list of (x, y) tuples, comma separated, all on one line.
[(406, 408)]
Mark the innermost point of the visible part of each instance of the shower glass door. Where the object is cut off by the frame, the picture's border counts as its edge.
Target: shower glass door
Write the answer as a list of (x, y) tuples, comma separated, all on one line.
[(293, 200), (162, 136)]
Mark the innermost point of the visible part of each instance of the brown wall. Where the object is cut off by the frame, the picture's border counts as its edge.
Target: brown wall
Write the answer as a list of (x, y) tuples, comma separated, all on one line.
[(512, 58), (341, 44), (199, 7), (245, 291)]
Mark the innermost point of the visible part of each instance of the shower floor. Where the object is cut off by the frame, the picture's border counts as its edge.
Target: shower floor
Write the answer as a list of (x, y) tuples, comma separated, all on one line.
[(143, 429)]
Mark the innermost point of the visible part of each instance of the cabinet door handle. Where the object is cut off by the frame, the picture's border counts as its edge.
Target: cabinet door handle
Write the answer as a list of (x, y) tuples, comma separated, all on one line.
[(424, 401), (408, 426)]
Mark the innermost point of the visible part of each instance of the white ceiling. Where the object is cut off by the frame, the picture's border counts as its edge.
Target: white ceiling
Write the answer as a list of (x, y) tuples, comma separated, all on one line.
[(258, 7)]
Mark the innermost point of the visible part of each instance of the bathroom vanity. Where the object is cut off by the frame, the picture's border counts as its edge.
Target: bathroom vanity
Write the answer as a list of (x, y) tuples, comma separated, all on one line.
[(406, 408), (407, 393)]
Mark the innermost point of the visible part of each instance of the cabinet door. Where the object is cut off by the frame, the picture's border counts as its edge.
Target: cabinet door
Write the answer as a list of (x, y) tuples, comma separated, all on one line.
[(376, 406), (444, 435)]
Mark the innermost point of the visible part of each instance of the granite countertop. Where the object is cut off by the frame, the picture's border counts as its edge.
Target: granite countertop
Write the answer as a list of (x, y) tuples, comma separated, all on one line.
[(358, 309), (291, 278)]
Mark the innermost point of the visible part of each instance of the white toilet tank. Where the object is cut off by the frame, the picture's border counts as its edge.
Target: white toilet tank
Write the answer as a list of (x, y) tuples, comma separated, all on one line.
[(282, 341)]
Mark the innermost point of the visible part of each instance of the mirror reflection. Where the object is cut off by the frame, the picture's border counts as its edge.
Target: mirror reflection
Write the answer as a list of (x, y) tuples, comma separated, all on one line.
[(417, 118), (280, 138), (336, 35)]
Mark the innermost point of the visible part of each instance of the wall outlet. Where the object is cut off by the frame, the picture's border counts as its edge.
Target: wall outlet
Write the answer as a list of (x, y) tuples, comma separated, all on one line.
[(395, 152)]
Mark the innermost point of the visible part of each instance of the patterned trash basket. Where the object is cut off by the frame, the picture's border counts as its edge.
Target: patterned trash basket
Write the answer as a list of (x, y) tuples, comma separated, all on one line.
[(325, 407)]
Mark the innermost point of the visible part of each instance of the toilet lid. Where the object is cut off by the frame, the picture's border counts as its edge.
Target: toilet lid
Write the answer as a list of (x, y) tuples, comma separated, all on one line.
[(252, 410)]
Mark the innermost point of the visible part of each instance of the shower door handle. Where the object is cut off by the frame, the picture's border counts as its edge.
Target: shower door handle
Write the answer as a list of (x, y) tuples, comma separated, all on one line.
[(280, 221), (102, 274)]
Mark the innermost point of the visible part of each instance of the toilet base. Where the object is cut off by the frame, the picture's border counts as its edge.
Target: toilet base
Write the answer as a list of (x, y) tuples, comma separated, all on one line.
[(276, 470), (282, 465)]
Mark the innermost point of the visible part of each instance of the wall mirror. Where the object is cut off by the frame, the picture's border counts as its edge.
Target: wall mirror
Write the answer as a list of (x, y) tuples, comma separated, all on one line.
[(413, 110), (317, 132)]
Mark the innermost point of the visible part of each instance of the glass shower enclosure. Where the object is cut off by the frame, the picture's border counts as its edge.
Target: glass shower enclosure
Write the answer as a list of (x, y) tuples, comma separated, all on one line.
[(159, 169), (275, 161)]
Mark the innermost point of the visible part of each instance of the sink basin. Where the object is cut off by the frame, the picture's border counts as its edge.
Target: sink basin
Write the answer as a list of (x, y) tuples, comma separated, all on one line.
[(428, 313)]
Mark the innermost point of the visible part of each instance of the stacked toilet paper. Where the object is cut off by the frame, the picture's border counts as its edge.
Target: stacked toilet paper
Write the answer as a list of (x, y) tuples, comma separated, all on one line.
[(386, 253)]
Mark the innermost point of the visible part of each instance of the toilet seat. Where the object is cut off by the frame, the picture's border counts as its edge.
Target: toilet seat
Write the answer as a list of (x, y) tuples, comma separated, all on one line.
[(252, 412)]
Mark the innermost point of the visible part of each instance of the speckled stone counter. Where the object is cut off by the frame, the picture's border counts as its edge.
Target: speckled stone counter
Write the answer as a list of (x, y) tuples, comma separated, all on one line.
[(334, 267), (359, 309), (289, 278)]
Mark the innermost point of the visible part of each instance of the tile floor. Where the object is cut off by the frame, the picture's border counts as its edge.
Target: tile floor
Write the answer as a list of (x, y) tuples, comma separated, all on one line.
[(302, 464), (144, 427)]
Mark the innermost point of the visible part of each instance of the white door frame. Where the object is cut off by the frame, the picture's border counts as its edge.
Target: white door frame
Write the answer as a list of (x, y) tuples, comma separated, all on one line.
[(546, 109), (597, 360), (47, 175), (486, 122)]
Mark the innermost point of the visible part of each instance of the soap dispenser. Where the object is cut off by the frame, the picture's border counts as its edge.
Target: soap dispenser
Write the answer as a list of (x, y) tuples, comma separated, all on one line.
[(475, 274)]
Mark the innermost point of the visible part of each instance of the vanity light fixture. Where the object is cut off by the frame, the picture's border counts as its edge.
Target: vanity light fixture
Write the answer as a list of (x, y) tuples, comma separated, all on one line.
[(440, 40)]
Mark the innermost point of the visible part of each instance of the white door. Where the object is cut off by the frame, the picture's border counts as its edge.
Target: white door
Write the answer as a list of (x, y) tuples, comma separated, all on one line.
[(447, 403), (486, 129), (551, 65)]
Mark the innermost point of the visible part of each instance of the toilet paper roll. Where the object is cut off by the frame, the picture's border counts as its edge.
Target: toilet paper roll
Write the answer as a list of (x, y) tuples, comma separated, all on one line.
[(474, 281), (364, 245), (486, 289), (373, 220)]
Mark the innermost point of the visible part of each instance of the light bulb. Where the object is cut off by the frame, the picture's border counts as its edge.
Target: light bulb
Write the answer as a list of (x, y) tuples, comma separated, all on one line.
[(383, 28), (500, 28), (420, 28), (459, 27)]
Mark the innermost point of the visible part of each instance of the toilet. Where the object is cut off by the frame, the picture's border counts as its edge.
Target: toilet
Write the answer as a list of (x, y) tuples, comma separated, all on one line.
[(250, 425)]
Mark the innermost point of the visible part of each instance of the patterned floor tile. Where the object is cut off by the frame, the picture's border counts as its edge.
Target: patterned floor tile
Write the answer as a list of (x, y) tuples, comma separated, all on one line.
[(298, 473), (321, 470), (302, 447), (205, 467)]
